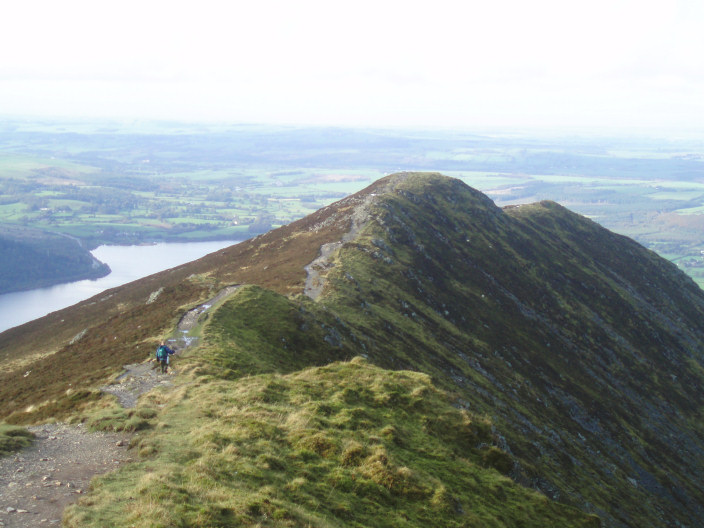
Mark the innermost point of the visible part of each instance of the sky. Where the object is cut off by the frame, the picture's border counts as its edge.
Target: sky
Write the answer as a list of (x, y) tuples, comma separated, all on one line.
[(469, 64)]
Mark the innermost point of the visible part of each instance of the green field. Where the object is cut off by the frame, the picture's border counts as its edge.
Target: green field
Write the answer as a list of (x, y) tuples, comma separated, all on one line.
[(198, 204)]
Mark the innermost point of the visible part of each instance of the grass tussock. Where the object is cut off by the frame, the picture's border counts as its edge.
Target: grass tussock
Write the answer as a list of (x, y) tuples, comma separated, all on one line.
[(13, 438), (318, 447), (118, 419)]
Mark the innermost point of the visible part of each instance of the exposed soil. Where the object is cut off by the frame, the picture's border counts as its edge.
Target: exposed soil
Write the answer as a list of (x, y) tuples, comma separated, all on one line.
[(38, 482), (316, 270), (315, 281), (140, 378), (191, 317), (136, 380)]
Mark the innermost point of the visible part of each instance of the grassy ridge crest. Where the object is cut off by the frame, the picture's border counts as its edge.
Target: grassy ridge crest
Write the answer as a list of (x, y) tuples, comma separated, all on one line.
[(348, 444)]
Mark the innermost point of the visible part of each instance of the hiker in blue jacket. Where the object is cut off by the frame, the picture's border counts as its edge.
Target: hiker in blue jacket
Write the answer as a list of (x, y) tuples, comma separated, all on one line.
[(162, 356)]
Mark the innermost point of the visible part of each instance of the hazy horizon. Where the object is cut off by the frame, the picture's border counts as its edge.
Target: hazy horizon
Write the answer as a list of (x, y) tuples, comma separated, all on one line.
[(44, 122), (501, 65)]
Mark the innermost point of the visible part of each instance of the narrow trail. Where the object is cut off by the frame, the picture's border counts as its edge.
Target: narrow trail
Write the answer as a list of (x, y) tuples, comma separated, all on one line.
[(317, 270), (140, 378), (38, 482), (137, 379)]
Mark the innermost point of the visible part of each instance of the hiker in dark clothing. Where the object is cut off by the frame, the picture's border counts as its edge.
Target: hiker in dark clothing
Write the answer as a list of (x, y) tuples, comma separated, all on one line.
[(162, 356)]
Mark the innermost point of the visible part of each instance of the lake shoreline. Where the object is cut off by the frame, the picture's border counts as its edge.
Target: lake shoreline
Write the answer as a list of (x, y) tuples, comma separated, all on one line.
[(104, 271), (127, 264)]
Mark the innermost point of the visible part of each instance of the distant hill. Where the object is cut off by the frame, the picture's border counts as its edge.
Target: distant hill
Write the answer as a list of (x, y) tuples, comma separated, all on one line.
[(32, 258), (515, 367)]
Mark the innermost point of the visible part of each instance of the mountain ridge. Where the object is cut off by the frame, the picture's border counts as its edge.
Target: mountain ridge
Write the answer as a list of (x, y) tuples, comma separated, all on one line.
[(582, 346)]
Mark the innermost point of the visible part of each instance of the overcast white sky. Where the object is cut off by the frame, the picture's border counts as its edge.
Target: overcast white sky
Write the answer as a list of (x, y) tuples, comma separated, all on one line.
[(474, 64)]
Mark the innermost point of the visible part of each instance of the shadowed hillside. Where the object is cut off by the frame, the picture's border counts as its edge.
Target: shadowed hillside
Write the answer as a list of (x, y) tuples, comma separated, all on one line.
[(32, 258), (581, 349), (585, 348)]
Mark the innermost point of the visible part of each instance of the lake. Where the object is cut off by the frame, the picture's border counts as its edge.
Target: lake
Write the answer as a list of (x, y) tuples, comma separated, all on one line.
[(128, 263)]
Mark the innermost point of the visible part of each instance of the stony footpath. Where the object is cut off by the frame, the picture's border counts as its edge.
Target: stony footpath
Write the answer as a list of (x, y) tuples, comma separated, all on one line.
[(140, 378), (137, 380), (37, 483)]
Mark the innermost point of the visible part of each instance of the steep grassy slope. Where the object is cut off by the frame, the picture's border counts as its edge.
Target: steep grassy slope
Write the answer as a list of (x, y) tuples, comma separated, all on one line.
[(583, 350)]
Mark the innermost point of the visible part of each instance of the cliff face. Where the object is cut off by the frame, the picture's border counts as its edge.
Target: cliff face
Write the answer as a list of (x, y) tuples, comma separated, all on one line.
[(582, 349)]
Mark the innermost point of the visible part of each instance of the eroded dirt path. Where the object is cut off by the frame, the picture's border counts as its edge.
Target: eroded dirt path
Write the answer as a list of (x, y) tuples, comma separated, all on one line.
[(192, 317), (317, 270), (38, 482), (140, 378), (137, 379)]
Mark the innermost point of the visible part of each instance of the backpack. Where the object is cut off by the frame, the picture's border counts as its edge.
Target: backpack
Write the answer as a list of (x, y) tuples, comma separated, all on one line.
[(162, 353)]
